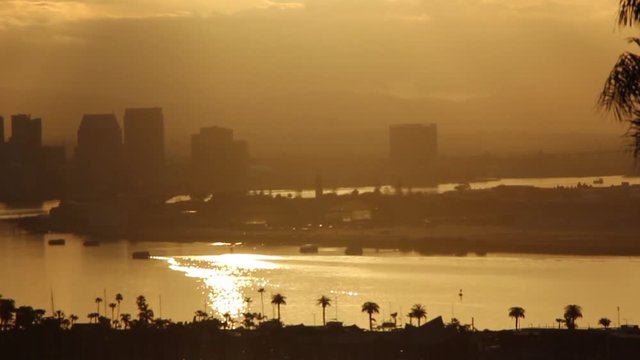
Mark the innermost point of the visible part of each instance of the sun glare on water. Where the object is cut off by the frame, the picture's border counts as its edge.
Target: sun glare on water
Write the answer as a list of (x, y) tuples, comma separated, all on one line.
[(225, 278)]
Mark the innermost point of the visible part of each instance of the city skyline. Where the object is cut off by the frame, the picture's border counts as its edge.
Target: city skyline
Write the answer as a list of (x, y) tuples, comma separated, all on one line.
[(468, 69)]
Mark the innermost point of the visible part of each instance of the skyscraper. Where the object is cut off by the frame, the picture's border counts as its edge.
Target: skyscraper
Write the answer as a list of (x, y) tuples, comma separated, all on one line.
[(98, 157), (219, 162), (144, 150), (1, 130), (26, 138), (413, 150)]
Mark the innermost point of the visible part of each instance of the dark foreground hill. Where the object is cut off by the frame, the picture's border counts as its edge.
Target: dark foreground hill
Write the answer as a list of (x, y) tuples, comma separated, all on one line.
[(197, 341)]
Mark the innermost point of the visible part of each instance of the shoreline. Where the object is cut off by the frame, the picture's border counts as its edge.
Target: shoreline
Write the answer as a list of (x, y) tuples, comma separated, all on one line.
[(457, 241)]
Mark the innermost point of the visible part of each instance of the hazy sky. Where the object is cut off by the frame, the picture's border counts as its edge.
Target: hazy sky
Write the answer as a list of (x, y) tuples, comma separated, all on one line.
[(318, 73)]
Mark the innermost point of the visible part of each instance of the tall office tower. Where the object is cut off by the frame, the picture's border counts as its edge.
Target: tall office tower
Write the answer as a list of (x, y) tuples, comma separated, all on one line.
[(144, 150), (413, 150), (1, 130), (98, 157), (26, 138), (219, 162)]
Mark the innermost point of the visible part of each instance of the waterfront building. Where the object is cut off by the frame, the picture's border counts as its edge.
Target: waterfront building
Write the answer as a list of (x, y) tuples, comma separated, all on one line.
[(1, 130), (219, 161), (144, 150), (98, 157), (26, 138)]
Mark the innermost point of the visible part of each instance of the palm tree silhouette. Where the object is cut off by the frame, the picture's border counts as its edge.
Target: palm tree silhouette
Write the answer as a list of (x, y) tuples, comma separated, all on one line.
[(571, 314), (145, 314), (604, 322), (261, 291), (73, 318), (419, 312), (201, 315), (126, 320), (277, 300), (560, 322), (621, 93), (93, 317), (516, 312), (112, 306), (98, 300), (324, 302), (370, 308), (119, 299), (394, 316)]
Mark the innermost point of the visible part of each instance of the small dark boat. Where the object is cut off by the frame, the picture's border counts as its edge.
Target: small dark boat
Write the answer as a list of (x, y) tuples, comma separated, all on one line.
[(57, 242), (91, 243), (309, 249), (141, 255), (353, 250)]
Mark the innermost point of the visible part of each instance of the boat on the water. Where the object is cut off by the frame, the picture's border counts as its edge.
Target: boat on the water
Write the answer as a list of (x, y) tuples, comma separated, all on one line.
[(141, 255), (309, 249), (353, 250), (57, 242), (598, 181)]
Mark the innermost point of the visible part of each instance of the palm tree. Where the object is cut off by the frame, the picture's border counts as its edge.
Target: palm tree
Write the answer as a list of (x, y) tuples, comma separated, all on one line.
[(419, 312), (560, 322), (571, 314), (394, 316), (93, 317), (73, 318), (277, 300), (112, 306), (324, 302), (98, 300), (621, 91), (516, 312), (370, 308), (201, 315), (126, 320), (145, 314), (605, 322), (119, 299), (261, 291), (249, 320), (410, 316)]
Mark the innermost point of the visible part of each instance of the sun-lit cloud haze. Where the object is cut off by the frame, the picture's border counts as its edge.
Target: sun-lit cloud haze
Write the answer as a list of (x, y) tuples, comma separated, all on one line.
[(329, 75)]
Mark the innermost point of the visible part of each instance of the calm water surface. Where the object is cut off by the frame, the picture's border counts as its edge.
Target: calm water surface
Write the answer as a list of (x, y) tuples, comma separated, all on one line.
[(183, 278)]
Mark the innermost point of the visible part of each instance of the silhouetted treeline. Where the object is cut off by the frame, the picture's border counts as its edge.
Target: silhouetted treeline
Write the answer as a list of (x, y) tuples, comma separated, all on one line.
[(300, 342)]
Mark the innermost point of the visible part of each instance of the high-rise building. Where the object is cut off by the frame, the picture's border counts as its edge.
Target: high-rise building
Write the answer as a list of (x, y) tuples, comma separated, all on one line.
[(1, 130), (413, 150), (98, 157), (219, 162), (26, 131), (144, 150), (26, 138)]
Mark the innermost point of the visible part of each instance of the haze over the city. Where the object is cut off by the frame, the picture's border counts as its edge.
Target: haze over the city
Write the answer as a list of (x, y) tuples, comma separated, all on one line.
[(499, 76)]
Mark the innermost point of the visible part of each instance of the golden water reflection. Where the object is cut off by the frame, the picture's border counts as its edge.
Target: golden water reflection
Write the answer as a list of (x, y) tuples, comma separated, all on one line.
[(225, 278)]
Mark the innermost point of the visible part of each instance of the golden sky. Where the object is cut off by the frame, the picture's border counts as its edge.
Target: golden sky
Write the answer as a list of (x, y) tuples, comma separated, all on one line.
[(314, 68)]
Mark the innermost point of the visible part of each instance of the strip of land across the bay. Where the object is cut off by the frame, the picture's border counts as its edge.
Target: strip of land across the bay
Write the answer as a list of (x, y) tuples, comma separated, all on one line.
[(511, 219)]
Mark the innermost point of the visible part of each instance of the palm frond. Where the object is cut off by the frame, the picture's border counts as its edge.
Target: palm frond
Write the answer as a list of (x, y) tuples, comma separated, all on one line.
[(621, 91), (633, 132), (629, 12)]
